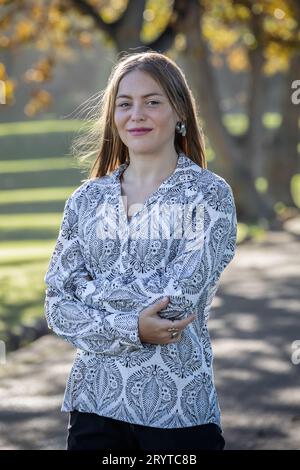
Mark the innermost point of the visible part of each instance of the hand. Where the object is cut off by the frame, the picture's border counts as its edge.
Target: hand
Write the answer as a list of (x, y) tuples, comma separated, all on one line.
[(154, 330)]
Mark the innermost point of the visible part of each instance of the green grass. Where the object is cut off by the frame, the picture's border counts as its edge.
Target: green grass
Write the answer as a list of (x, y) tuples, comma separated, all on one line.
[(40, 179), (22, 289), (20, 251), (22, 292), (30, 226), (39, 127), (29, 221), (35, 183), (44, 164), (35, 194)]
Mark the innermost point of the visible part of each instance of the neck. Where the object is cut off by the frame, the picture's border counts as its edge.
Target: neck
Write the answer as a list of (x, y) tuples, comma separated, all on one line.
[(146, 170)]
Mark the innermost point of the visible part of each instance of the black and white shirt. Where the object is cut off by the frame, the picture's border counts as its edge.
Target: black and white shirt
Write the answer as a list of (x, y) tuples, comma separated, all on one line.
[(105, 270)]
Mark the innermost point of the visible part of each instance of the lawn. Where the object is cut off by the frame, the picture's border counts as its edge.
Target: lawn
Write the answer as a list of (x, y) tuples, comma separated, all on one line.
[(37, 175)]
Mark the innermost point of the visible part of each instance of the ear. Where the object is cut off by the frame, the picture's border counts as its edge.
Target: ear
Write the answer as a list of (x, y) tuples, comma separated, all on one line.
[(178, 119)]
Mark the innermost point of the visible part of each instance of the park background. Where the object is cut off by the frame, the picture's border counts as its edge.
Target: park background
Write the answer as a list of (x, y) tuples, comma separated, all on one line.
[(242, 61)]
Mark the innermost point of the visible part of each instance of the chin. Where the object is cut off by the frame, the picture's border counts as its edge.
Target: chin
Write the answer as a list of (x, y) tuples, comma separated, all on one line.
[(142, 149)]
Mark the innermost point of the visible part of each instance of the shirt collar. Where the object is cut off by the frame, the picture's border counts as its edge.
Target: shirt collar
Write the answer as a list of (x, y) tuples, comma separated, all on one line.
[(186, 169)]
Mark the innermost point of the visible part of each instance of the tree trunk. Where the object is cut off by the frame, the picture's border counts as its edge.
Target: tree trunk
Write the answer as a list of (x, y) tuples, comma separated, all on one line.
[(232, 153), (283, 160)]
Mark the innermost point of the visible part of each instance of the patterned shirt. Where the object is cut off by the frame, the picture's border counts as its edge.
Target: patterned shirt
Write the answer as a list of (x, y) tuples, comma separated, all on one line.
[(105, 269)]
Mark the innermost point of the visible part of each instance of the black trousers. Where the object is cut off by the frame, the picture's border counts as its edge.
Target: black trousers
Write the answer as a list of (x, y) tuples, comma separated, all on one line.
[(89, 431)]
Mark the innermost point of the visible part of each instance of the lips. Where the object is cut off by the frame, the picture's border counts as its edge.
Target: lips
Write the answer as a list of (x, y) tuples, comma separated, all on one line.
[(140, 131)]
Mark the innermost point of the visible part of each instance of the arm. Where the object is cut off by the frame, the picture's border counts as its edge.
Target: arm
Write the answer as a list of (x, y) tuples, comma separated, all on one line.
[(87, 328), (185, 279)]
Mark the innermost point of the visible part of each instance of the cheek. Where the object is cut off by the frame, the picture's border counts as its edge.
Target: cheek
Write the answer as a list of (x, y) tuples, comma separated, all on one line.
[(165, 119), (118, 120)]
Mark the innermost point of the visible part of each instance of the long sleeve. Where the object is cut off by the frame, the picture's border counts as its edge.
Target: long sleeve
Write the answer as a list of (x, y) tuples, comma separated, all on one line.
[(90, 329), (196, 267)]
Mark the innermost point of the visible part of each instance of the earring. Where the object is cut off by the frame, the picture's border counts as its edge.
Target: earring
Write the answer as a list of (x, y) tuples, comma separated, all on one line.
[(181, 128)]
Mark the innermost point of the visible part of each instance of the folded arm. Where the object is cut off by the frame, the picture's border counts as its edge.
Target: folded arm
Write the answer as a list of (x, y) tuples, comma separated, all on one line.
[(197, 265), (92, 329)]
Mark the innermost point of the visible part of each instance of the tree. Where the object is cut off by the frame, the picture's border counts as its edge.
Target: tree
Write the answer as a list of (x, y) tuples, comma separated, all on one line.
[(258, 38)]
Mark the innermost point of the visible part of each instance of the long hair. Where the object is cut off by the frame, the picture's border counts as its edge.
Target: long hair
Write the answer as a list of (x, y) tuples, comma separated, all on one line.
[(102, 144)]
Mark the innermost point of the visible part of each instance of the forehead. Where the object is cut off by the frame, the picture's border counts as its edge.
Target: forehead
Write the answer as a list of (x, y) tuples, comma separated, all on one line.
[(138, 83)]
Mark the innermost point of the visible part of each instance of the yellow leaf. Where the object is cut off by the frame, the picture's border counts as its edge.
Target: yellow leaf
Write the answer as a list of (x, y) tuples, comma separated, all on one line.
[(24, 30), (33, 75), (40, 101), (237, 59), (4, 41), (8, 90), (85, 39), (2, 71)]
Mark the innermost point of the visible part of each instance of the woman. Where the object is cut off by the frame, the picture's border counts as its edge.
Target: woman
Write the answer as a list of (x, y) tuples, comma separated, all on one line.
[(140, 251)]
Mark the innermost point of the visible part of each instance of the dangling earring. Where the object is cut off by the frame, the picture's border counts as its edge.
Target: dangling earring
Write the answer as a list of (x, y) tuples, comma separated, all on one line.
[(181, 128)]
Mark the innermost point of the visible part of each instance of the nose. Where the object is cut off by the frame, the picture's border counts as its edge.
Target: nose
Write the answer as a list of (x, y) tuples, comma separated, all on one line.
[(137, 113)]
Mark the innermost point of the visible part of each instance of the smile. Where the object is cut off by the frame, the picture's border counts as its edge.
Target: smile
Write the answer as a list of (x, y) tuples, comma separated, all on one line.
[(143, 132)]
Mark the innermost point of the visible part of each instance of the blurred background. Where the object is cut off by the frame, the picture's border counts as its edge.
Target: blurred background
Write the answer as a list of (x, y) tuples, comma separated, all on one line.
[(241, 59)]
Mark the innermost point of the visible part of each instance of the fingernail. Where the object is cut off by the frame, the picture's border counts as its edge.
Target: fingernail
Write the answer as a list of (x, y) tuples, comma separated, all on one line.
[(165, 298)]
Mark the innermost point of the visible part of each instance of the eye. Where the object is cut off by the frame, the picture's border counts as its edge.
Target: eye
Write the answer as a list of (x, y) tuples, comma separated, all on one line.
[(152, 101)]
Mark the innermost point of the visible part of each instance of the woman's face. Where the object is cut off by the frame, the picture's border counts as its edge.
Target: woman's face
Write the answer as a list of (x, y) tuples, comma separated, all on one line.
[(135, 110)]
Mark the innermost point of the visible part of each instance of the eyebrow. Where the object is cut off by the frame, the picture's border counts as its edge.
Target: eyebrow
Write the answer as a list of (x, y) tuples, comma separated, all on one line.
[(144, 96)]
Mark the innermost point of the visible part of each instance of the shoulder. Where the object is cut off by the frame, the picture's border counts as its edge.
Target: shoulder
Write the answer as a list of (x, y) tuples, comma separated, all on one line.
[(214, 182), (91, 189), (212, 188), (218, 193), (203, 177)]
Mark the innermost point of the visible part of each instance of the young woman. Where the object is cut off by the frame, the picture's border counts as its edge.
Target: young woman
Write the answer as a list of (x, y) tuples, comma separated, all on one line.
[(141, 248)]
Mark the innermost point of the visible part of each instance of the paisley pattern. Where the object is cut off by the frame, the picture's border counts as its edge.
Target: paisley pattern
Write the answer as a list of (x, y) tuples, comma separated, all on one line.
[(194, 399), (155, 382), (105, 270)]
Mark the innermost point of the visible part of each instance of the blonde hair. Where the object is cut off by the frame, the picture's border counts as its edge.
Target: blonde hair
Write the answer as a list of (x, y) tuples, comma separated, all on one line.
[(102, 143)]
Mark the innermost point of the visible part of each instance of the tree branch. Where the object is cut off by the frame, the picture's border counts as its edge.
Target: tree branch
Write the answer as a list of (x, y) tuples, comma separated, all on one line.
[(88, 9)]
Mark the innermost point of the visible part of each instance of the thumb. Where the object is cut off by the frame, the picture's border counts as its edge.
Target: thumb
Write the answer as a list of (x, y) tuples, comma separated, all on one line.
[(164, 301), (159, 305)]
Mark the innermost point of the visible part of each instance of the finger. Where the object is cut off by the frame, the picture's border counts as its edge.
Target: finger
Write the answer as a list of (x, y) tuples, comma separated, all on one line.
[(192, 317), (185, 321), (169, 339), (159, 305), (176, 338), (173, 323), (166, 324)]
